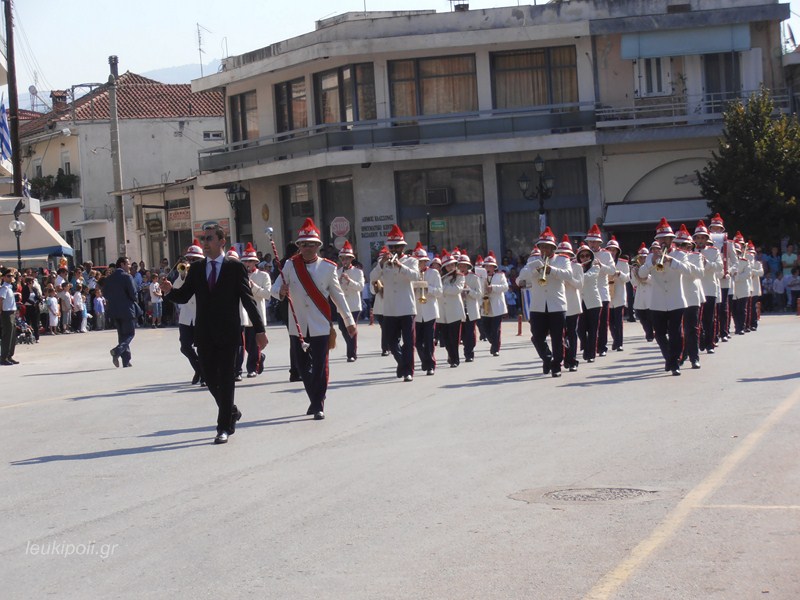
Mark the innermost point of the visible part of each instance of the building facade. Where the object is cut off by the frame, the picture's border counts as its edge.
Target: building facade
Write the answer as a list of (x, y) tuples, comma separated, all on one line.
[(431, 120)]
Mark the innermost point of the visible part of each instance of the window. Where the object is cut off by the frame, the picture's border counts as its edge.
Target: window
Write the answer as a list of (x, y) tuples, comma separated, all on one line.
[(213, 136), (535, 77), (336, 200), (37, 168), (297, 204), (290, 105), (433, 86), (244, 117), (652, 77), (346, 94), (97, 248)]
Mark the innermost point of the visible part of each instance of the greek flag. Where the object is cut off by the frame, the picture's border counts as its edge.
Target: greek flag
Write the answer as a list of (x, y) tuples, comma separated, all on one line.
[(5, 134)]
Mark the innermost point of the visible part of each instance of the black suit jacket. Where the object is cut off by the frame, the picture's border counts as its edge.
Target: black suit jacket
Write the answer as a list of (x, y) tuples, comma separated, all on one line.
[(218, 321), (120, 293)]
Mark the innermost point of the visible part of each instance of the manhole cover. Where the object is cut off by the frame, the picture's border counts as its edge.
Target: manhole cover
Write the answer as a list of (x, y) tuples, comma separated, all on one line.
[(596, 494)]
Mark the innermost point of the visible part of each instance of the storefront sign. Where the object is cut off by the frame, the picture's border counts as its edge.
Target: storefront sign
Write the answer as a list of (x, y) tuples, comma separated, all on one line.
[(438, 225), (179, 219), (376, 226), (197, 227)]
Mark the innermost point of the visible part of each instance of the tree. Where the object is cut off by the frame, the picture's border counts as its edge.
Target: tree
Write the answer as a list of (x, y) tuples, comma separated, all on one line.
[(753, 179)]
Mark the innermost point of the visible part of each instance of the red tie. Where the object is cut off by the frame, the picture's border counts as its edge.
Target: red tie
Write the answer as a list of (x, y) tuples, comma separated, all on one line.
[(212, 280)]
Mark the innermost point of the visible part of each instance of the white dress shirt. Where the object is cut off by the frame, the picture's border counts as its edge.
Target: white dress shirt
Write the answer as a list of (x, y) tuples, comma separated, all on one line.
[(667, 288), (431, 309), (398, 295), (352, 286), (452, 308)]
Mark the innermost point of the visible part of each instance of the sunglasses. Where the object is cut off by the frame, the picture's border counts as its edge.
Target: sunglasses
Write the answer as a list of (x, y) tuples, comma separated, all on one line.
[(208, 238)]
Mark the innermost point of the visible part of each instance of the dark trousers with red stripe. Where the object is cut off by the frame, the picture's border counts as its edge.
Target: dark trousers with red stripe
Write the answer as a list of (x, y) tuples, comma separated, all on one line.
[(395, 330), (253, 353), (707, 323), (723, 314), (451, 333), (668, 327), (646, 319), (571, 341), (588, 324), (602, 329), (691, 333), (468, 338), (240, 352), (615, 325), (552, 324), (491, 327), (425, 344), (313, 368), (739, 313)]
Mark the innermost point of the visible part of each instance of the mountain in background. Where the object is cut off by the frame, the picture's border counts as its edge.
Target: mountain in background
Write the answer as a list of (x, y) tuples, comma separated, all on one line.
[(183, 73)]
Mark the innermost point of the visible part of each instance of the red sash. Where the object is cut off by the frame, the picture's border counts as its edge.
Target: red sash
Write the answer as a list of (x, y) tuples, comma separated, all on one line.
[(310, 287)]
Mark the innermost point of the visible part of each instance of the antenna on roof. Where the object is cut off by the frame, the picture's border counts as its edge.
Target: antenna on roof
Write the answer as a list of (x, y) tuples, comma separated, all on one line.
[(200, 45)]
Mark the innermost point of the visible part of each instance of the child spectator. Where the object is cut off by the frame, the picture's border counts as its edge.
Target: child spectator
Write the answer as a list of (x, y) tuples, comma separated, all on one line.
[(778, 292), (792, 285), (155, 300), (99, 310), (511, 302), (766, 292), (65, 306), (53, 312)]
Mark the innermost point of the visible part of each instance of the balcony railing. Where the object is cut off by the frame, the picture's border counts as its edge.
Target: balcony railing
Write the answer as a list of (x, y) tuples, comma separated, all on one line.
[(669, 111), (406, 131)]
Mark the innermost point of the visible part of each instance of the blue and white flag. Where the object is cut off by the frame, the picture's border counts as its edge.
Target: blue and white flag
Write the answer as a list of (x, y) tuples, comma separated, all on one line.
[(5, 134), (26, 186)]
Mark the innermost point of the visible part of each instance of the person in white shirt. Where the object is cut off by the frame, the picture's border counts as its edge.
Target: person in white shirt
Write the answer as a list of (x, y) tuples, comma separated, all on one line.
[(351, 279), (572, 290), (756, 273), (311, 281), (260, 286), (472, 294), (618, 292), (592, 303), (156, 302), (594, 239), (451, 312), (188, 313), (740, 285), (8, 329), (376, 284), (428, 291), (545, 277), (695, 298), (495, 287), (716, 228), (641, 298), (713, 268), (667, 303), (399, 302)]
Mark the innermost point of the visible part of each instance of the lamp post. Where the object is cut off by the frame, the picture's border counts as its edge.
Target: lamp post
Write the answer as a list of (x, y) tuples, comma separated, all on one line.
[(542, 191), (236, 194), (18, 227)]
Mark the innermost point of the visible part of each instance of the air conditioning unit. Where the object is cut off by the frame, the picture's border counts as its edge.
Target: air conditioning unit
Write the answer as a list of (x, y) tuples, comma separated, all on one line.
[(438, 196)]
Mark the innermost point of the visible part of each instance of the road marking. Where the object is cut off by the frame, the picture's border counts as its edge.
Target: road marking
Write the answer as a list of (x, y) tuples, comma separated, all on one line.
[(616, 578), (754, 506)]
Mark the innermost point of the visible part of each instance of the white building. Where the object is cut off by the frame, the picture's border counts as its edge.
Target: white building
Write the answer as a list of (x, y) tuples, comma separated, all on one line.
[(430, 120)]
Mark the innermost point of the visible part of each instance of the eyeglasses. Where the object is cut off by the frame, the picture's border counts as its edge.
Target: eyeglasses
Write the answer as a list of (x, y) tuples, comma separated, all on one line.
[(208, 238)]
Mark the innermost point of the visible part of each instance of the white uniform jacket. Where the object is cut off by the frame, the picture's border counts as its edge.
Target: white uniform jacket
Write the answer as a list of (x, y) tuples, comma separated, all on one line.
[(473, 292), (188, 312), (550, 297), (667, 287), (377, 302), (756, 273), (692, 283), (452, 308), (260, 285), (643, 287), (712, 271), (496, 287), (572, 288), (352, 286), (312, 321), (607, 269), (740, 279), (621, 276), (431, 310), (398, 295), (590, 292)]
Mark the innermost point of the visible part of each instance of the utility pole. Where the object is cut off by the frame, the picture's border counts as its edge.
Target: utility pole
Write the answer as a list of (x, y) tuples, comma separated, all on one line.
[(116, 164), (13, 101)]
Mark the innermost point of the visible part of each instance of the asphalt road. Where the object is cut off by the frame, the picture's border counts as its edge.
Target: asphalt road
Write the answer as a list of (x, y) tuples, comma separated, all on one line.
[(486, 481)]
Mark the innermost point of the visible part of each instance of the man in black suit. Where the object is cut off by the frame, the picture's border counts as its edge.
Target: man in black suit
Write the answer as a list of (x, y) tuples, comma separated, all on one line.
[(219, 284), (120, 293)]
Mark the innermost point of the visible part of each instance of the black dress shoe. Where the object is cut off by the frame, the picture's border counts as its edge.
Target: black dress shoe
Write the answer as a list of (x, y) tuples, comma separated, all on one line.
[(261, 360), (222, 438), (546, 367), (710, 351), (115, 358), (238, 377), (125, 366), (13, 362), (429, 372), (319, 416), (603, 353), (203, 383), (294, 378), (384, 353), (556, 374), (6, 363), (573, 368), (590, 360), (196, 378), (469, 359), (453, 365), (676, 372), (695, 364), (235, 417), (351, 359), (310, 410)]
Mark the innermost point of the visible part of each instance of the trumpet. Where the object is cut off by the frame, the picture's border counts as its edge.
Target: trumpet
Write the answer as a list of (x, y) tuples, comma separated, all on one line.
[(660, 262), (543, 276), (421, 285), (181, 268), (377, 287), (391, 261)]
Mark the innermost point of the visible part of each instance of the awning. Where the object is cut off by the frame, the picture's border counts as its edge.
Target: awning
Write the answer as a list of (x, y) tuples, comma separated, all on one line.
[(37, 242), (686, 42), (676, 212)]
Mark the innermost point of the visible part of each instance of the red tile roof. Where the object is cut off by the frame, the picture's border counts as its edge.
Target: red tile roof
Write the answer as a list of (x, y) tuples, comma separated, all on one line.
[(137, 98)]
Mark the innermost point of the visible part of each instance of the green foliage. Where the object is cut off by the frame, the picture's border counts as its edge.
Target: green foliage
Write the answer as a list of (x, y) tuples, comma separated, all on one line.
[(753, 179), (49, 187)]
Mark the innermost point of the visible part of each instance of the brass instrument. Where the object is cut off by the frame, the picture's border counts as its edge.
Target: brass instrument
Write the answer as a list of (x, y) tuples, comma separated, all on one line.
[(421, 286), (543, 276), (181, 268), (377, 287), (660, 262)]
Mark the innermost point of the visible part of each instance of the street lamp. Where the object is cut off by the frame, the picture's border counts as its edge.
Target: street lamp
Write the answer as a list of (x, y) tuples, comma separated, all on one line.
[(236, 195), (542, 191), (17, 227)]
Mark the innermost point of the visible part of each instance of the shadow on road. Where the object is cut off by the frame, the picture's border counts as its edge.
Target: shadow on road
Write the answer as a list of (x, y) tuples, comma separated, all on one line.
[(115, 452), (144, 389), (243, 425), (773, 378)]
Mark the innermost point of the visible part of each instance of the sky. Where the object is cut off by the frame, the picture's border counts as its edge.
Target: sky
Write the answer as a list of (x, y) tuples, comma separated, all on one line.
[(68, 43)]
